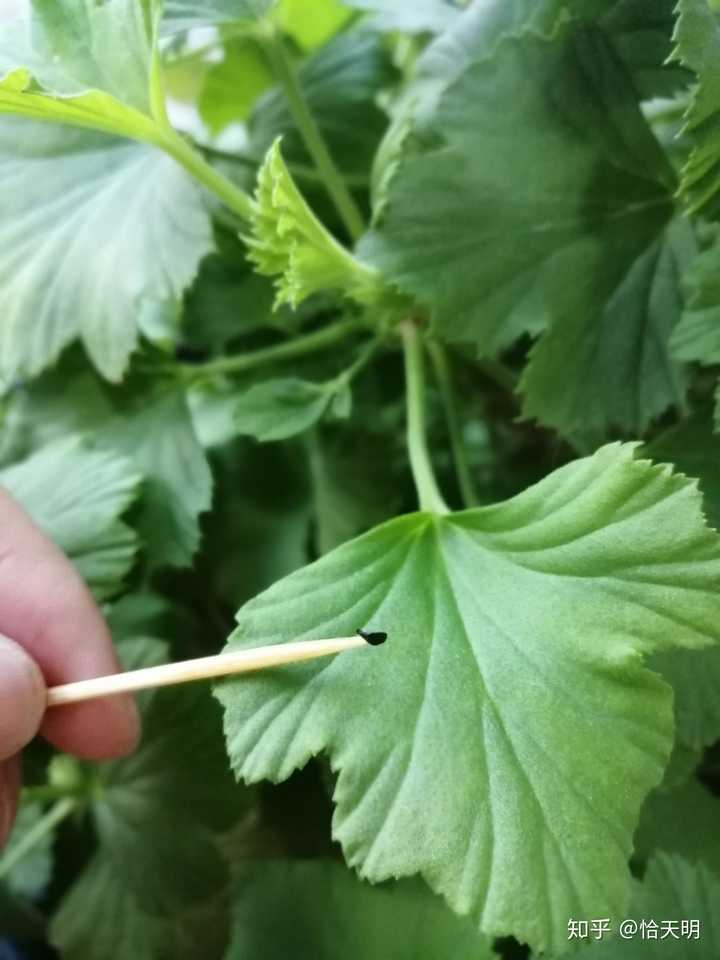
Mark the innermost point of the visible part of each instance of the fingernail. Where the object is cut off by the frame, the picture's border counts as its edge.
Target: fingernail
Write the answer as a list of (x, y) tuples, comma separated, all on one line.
[(22, 697)]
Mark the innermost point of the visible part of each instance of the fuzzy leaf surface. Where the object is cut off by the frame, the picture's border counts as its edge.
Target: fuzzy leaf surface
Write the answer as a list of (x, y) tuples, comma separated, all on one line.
[(697, 40), (90, 65), (157, 434), (569, 183), (618, 369), (95, 229), (282, 408), (483, 745), (76, 495)]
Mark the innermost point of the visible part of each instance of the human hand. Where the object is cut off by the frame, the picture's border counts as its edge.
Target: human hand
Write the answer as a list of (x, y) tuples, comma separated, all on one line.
[(58, 635)]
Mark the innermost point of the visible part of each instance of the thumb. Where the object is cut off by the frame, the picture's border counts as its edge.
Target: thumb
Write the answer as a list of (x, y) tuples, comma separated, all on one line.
[(22, 698)]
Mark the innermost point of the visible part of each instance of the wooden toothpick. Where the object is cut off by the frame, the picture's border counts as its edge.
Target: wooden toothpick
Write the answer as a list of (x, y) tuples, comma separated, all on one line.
[(224, 664)]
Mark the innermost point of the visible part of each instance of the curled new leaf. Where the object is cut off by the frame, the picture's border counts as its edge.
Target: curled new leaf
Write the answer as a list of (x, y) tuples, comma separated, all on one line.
[(289, 243)]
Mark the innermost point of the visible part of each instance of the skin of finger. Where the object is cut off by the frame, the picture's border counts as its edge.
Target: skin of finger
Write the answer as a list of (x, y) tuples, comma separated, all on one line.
[(22, 698), (47, 609), (9, 794)]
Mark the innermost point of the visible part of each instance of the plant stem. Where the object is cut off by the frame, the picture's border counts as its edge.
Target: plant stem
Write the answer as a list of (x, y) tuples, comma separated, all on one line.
[(297, 347), (444, 382), (45, 825), (317, 148), (233, 197), (429, 495)]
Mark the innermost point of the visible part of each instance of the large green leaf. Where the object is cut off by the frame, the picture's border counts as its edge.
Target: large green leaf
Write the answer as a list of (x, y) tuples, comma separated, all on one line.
[(569, 183), (697, 38), (483, 745), (96, 231), (327, 913), (86, 64), (616, 362), (157, 434), (76, 496)]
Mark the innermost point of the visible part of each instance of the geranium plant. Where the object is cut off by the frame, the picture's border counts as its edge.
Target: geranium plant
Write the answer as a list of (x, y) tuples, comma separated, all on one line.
[(390, 314)]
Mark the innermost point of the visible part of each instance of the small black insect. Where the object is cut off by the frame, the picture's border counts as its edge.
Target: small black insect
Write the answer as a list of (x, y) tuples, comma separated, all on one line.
[(374, 639)]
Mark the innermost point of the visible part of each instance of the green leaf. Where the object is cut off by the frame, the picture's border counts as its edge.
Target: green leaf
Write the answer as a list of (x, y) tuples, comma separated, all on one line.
[(328, 913), (31, 874), (179, 15), (232, 86), (697, 39), (569, 183), (328, 16), (694, 449), (341, 83), (289, 243), (415, 17), (695, 680), (85, 64), (515, 639), (616, 363), (156, 860), (95, 230), (282, 408), (672, 890), (697, 338), (682, 822), (126, 931), (157, 434), (76, 496)]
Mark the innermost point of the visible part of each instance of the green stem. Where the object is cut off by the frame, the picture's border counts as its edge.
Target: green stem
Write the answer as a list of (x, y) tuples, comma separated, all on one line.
[(297, 347), (45, 825), (317, 148), (444, 382), (299, 171), (233, 197), (429, 495), (345, 378)]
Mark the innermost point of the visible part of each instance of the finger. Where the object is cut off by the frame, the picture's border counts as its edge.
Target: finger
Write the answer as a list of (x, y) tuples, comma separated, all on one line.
[(47, 609), (9, 794), (22, 698)]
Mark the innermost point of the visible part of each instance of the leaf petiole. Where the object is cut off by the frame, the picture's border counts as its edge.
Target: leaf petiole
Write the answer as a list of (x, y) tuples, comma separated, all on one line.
[(443, 377), (297, 347), (45, 825), (237, 200), (428, 492)]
